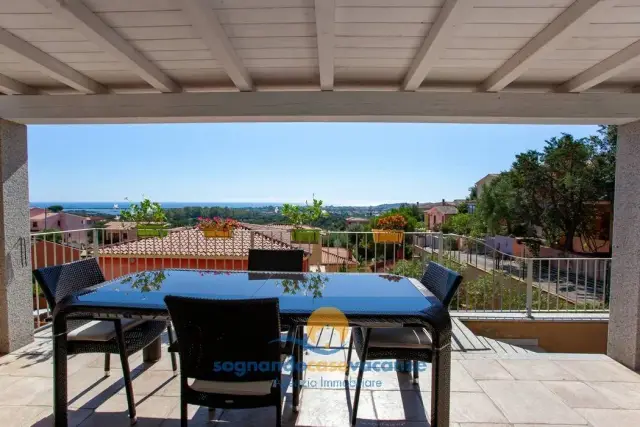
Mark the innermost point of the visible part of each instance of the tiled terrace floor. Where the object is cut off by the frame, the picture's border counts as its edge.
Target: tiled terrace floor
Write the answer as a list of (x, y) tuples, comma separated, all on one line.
[(488, 389)]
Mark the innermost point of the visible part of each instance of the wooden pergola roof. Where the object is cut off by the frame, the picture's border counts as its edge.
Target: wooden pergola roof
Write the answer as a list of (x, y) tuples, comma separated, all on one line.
[(525, 61)]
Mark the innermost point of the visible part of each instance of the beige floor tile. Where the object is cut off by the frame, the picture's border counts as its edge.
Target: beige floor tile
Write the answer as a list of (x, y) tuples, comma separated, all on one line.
[(257, 417), (625, 395), (89, 388), (579, 395), (586, 370), (405, 405), (461, 380), (529, 402), (546, 425), (151, 411), (611, 417), (28, 391), (470, 408), (75, 418), (17, 416), (330, 408), (197, 416), (151, 382), (485, 369), (546, 370), (482, 425)]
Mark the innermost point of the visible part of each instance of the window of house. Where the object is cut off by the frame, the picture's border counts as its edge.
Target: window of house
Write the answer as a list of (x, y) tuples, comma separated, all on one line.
[(35, 224), (58, 223), (124, 236)]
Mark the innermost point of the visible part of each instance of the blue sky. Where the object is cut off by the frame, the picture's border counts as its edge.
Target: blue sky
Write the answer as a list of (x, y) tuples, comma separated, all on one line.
[(342, 163)]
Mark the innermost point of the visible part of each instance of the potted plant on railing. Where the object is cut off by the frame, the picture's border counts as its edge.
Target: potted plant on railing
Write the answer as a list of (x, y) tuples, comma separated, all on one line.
[(217, 227), (298, 216), (390, 229), (150, 218)]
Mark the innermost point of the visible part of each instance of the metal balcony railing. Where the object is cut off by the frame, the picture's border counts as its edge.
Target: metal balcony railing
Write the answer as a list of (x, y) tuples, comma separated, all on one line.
[(493, 280)]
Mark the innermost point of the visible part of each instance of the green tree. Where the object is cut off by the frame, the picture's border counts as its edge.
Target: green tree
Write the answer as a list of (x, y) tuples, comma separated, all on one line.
[(55, 208), (555, 189), (497, 207), (473, 193)]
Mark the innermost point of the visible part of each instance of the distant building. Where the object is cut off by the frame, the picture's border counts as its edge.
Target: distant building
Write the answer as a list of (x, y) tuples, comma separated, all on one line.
[(41, 219), (486, 180), (352, 220), (119, 232), (438, 215)]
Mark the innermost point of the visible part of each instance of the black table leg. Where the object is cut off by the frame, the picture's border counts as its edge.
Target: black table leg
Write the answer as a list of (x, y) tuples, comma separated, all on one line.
[(440, 380), (153, 352), (296, 371), (60, 370)]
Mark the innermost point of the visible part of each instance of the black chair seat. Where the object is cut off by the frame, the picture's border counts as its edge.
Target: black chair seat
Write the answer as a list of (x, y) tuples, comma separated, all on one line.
[(413, 344), (135, 339), (399, 338), (87, 335)]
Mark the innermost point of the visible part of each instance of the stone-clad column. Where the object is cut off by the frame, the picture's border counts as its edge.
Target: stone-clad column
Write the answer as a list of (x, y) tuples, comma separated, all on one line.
[(16, 303), (624, 324)]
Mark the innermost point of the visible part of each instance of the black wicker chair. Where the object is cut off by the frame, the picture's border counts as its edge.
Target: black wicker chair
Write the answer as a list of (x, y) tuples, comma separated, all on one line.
[(402, 343), (86, 335), (229, 348), (276, 260)]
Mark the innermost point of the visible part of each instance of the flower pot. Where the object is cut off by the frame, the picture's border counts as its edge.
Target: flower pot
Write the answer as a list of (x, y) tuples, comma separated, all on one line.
[(388, 236), (303, 235), (151, 230), (213, 233)]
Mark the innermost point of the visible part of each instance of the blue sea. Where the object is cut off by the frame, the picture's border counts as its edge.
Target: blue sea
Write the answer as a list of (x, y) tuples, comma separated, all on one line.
[(115, 207)]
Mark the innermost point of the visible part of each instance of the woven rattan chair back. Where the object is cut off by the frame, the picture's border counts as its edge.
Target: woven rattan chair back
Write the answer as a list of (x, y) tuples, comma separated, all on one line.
[(441, 281), (220, 338), (60, 281), (276, 260)]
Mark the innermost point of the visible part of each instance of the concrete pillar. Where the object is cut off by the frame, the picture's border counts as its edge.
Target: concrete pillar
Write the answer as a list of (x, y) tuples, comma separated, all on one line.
[(624, 323), (16, 304)]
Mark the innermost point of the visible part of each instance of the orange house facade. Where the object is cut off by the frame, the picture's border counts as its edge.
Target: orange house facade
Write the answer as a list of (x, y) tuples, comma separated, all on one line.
[(438, 215)]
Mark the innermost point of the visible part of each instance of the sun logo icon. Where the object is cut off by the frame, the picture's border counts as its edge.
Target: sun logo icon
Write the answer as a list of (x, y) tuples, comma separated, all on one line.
[(329, 325)]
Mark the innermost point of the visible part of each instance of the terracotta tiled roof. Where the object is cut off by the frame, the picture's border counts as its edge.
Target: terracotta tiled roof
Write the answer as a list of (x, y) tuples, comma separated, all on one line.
[(446, 209), (192, 243)]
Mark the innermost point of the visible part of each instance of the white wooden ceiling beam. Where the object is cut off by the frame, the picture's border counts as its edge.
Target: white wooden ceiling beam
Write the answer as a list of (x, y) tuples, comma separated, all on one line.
[(553, 35), (448, 107), (325, 22), (76, 14), (603, 70), (451, 15), (205, 21), (49, 65), (10, 86)]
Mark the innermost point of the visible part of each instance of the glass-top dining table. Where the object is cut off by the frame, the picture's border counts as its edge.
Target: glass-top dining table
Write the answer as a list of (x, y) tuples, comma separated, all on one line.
[(367, 300)]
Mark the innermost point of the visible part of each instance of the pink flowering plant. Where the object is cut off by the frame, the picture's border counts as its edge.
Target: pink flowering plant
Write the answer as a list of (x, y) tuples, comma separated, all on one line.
[(217, 223)]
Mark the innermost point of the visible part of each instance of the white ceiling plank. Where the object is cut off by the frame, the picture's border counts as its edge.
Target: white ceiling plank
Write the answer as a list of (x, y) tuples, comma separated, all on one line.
[(204, 20), (76, 14), (604, 70), (50, 66), (553, 35), (325, 22), (351, 106), (10, 86), (452, 14)]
